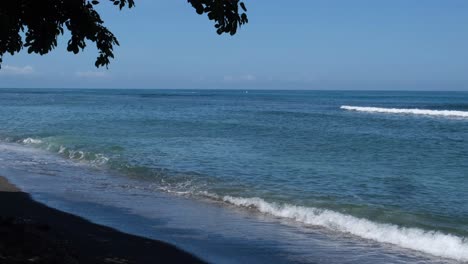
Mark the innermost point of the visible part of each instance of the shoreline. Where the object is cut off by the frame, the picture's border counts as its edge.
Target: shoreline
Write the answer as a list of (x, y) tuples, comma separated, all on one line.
[(33, 232)]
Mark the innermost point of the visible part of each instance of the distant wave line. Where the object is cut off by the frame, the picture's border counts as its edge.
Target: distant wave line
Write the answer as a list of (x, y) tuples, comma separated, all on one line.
[(414, 111)]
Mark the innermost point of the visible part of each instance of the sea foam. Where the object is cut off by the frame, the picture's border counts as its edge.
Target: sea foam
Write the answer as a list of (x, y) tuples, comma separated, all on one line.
[(447, 113), (431, 242), (96, 159), (31, 141)]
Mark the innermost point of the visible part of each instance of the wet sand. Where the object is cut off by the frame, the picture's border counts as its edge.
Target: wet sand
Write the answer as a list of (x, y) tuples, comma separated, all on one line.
[(31, 232)]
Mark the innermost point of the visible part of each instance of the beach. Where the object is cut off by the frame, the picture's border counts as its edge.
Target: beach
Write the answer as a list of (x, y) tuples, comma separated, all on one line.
[(34, 233), (234, 177)]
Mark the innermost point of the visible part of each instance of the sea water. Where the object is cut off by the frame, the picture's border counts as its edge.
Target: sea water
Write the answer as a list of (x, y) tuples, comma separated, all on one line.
[(285, 176)]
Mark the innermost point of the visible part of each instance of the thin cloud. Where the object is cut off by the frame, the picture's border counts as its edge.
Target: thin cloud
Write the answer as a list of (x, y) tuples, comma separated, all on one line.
[(242, 78), (228, 78), (248, 77), (92, 74), (15, 70)]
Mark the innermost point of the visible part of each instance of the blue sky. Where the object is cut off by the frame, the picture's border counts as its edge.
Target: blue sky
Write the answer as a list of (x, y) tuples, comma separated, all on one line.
[(301, 44)]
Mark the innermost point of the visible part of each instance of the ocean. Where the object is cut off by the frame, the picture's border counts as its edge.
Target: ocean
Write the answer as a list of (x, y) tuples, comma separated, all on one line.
[(238, 176)]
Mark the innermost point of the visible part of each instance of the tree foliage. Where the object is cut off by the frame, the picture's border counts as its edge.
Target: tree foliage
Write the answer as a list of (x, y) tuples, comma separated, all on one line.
[(37, 24)]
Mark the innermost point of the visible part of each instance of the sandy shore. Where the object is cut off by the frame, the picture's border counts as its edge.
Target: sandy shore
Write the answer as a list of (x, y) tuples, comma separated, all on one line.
[(31, 232)]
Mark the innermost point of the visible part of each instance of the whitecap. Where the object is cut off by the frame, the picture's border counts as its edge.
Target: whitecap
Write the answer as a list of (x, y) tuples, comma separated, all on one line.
[(31, 141), (431, 242), (415, 111)]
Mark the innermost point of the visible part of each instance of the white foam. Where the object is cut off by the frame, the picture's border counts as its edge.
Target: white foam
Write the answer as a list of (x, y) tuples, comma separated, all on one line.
[(100, 159), (97, 159), (17, 148), (32, 141), (62, 149), (431, 242), (446, 113)]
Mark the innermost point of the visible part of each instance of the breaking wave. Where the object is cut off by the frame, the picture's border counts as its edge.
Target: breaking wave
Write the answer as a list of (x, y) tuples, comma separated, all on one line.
[(431, 242), (435, 243), (69, 153), (31, 141), (447, 113)]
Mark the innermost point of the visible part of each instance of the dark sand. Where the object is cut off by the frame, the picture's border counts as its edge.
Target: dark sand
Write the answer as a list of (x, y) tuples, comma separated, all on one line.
[(31, 232)]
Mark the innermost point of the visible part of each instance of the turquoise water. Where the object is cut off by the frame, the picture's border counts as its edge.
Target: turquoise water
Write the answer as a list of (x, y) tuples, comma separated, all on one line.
[(366, 164)]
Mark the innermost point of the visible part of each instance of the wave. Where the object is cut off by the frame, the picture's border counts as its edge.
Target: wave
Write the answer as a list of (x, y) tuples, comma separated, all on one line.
[(447, 113), (431, 242), (31, 141), (69, 153)]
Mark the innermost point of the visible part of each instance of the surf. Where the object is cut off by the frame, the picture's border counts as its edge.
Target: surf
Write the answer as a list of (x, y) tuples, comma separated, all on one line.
[(431, 242), (428, 241), (64, 151), (414, 111)]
